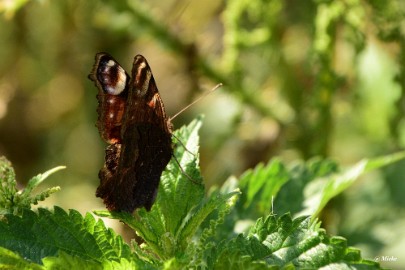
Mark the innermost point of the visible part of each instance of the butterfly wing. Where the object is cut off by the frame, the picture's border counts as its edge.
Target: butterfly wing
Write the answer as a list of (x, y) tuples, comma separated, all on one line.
[(137, 157), (112, 83)]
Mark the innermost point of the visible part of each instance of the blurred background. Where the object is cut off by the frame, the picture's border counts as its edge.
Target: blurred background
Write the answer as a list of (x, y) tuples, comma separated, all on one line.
[(318, 78)]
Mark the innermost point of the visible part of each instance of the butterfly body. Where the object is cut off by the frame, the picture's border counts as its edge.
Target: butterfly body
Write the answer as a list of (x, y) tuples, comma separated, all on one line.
[(132, 120)]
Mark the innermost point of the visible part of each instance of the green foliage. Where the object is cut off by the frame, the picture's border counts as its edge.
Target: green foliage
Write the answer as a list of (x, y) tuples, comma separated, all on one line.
[(14, 201), (320, 191), (187, 229), (10, 260), (284, 242), (64, 240), (180, 206), (36, 236), (268, 189), (322, 78)]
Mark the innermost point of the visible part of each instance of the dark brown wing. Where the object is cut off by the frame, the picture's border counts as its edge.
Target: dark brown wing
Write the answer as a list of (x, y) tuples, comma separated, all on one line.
[(112, 83), (131, 174)]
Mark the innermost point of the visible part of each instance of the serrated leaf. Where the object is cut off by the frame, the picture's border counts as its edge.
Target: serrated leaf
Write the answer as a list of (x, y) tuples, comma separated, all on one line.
[(125, 264), (36, 180), (181, 184), (35, 236), (283, 242), (180, 191), (65, 261), (8, 185), (7, 175), (311, 185), (14, 201), (180, 206), (320, 191), (195, 218), (290, 198), (259, 186), (11, 260), (274, 185)]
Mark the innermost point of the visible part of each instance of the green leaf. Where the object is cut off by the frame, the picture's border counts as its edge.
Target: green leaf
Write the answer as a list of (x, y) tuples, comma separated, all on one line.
[(36, 236), (181, 186), (320, 191), (269, 189), (181, 206), (180, 191), (283, 242), (291, 196), (11, 260), (65, 261), (8, 185), (14, 201), (259, 186), (214, 203), (68, 262), (36, 180), (311, 185)]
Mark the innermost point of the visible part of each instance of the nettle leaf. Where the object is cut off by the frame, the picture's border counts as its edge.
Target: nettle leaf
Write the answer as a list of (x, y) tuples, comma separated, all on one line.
[(11, 260), (35, 236), (65, 261), (320, 191), (301, 189), (181, 187), (187, 229), (14, 201), (259, 186), (181, 206), (209, 222), (283, 242), (180, 191), (8, 186), (290, 197), (270, 189)]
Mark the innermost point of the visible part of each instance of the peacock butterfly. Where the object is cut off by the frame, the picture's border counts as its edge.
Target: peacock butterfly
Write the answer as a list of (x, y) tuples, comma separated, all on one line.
[(133, 122)]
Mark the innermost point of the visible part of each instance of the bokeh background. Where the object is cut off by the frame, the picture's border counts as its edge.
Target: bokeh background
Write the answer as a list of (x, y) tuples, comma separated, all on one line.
[(302, 79)]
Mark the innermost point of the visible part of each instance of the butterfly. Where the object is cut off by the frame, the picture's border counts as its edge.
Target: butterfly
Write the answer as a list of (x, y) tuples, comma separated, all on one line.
[(133, 122)]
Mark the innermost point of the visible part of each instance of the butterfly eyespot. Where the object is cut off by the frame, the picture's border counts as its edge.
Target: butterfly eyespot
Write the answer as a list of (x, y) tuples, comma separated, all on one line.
[(111, 63), (112, 77)]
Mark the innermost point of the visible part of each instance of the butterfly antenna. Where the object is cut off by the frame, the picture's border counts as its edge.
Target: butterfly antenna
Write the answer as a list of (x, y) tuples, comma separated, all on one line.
[(182, 144), (183, 172), (195, 101), (185, 108)]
